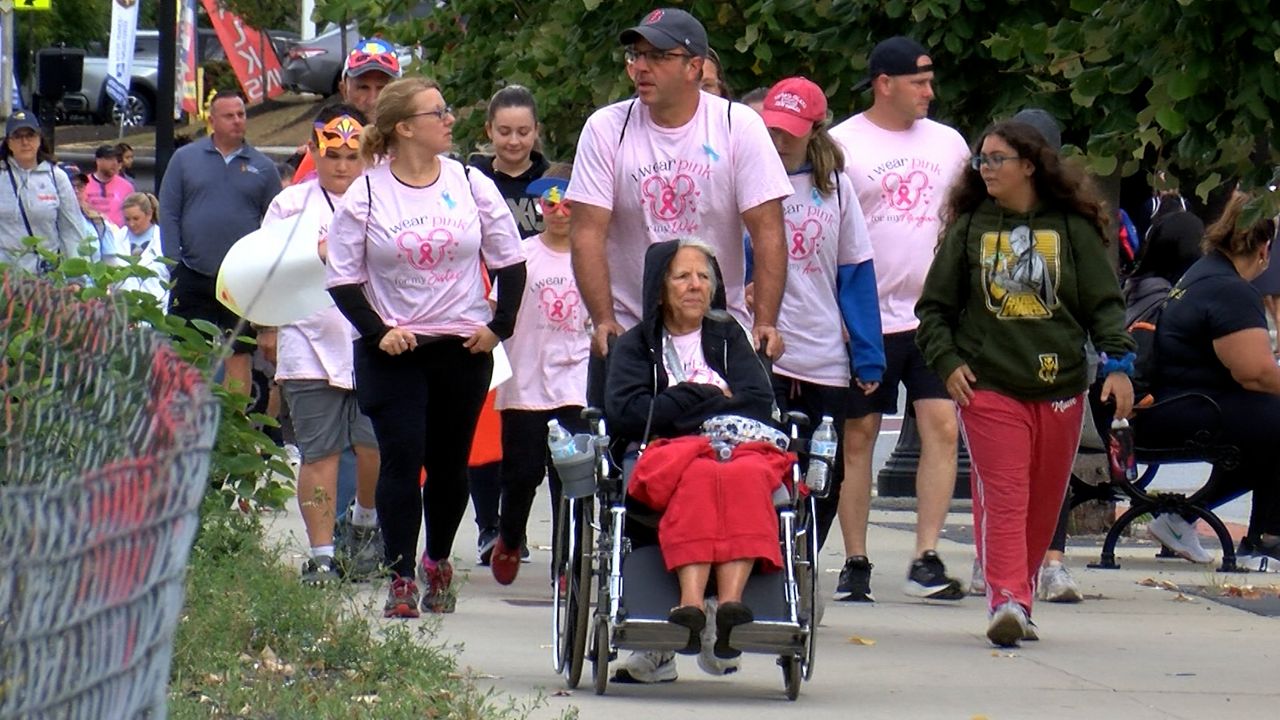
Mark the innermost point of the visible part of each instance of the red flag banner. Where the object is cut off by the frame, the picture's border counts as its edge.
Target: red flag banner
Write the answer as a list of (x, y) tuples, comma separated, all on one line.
[(248, 52)]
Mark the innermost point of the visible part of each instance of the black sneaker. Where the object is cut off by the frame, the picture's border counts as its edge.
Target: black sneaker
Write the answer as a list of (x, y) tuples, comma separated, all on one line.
[(927, 578), (360, 553), (484, 545), (855, 580), (1246, 548)]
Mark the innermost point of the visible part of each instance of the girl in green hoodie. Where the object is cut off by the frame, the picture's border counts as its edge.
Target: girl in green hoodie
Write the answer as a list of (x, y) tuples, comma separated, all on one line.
[(1020, 281)]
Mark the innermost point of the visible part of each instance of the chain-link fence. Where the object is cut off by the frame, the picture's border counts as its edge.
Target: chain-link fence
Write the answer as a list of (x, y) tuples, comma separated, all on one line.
[(105, 437)]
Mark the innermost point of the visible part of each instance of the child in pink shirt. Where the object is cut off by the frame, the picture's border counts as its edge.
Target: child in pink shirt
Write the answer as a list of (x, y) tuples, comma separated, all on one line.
[(548, 349)]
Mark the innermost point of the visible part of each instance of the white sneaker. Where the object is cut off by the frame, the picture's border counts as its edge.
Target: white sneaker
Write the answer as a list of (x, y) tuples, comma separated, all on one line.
[(1008, 625), (707, 660), (978, 583), (1179, 536), (293, 455), (1057, 585), (1262, 559), (647, 666)]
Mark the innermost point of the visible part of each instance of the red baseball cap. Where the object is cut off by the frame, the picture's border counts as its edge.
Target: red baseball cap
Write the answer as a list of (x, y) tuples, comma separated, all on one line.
[(794, 105)]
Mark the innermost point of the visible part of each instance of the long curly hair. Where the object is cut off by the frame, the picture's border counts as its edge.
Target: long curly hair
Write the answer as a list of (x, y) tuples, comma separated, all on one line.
[(1059, 185)]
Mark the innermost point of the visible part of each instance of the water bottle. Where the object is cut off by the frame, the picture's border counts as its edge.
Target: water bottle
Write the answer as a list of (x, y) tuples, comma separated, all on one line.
[(821, 447), (559, 441), (1124, 467)]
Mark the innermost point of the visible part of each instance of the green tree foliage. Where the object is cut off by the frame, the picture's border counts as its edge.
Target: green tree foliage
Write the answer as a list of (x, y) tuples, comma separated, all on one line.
[(264, 14), (1139, 85)]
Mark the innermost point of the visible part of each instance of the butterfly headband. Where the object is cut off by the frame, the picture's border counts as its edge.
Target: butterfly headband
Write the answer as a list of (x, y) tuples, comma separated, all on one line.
[(343, 130)]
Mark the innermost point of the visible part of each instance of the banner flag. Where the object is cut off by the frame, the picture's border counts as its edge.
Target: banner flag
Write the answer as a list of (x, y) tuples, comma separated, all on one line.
[(248, 52), (124, 26), (187, 63)]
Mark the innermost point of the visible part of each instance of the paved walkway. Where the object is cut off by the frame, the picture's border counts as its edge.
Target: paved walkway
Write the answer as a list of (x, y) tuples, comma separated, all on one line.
[(1129, 651)]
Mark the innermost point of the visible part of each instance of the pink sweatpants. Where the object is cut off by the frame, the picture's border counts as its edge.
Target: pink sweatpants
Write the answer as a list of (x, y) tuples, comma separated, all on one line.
[(1021, 454)]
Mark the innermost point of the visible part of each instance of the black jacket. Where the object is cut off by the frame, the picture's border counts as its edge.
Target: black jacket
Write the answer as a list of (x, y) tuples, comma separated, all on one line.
[(638, 385), (524, 208)]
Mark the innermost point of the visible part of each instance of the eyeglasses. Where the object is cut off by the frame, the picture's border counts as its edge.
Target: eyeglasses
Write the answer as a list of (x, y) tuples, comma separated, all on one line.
[(439, 114), (994, 161), (651, 57)]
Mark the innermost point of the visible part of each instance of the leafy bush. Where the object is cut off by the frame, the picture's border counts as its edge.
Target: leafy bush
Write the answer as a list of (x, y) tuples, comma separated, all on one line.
[(254, 643), (246, 466)]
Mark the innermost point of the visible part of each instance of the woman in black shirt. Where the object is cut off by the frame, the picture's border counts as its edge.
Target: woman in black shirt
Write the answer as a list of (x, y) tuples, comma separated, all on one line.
[(1212, 339)]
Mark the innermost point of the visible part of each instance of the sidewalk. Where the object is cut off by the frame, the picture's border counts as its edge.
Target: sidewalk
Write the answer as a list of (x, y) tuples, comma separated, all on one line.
[(1128, 651)]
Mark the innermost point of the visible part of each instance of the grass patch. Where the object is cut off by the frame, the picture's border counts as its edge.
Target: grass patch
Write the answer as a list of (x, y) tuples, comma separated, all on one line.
[(254, 643)]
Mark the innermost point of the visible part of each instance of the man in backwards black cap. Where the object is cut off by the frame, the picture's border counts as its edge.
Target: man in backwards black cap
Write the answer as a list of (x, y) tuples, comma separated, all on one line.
[(675, 162), (901, 164)]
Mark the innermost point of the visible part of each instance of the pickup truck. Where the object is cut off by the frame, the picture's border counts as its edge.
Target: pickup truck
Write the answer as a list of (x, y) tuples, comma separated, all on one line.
[(92, 102)]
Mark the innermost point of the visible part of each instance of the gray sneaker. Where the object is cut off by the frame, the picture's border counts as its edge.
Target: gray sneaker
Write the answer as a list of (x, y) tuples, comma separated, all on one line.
[(1057, 585), (320, 570), (360, 552), (1008, 626), (707, 660), (978, 581), (647, 666)]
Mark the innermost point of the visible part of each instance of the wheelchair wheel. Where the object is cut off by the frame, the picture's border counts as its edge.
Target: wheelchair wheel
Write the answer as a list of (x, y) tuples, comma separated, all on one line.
[(560, 570), (600, 656), (807, 578), (575, 620), (791, 675)]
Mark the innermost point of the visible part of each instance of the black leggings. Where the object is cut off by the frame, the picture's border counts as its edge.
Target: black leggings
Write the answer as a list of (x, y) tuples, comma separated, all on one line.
[(424, 405), (525, 459), (1249, 422), (815, 401)]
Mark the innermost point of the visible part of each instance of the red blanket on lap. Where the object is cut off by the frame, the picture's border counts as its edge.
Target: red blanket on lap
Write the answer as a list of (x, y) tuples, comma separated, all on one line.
[(713, 512)]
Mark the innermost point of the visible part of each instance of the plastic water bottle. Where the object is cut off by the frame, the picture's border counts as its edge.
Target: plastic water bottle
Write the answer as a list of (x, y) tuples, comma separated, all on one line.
[(821, 447), (1124, 466), (559, 441)]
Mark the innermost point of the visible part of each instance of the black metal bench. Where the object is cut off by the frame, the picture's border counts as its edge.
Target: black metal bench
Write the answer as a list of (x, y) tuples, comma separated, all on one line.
[(1203, 445)]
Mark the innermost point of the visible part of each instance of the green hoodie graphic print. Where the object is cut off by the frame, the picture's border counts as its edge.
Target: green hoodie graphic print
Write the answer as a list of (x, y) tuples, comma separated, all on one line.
[(1015, 296)]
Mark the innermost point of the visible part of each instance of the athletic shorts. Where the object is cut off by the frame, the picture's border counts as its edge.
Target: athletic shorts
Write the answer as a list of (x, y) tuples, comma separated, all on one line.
[(326, 419), (904, 364)]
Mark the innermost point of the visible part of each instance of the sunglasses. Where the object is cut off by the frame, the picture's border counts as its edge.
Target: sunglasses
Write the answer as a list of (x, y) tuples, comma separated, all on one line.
[(552, 207), (382, 55)]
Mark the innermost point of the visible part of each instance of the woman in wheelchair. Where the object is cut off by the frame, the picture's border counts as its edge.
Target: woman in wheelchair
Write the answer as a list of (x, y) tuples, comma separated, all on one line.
[(1212, 346), (688, 361)]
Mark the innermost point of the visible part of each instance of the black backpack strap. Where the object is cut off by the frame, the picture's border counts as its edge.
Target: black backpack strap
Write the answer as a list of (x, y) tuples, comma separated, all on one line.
[(626, 120)]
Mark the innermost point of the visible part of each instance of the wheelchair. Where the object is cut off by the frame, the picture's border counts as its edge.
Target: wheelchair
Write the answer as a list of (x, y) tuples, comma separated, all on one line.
[(611, 596)]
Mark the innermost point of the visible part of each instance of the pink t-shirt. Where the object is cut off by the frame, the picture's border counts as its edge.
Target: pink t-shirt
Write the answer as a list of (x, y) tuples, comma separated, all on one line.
[(822, 233), (694, 181), (693, 363), (550, 345), (318, 347), (902, 179), (108, 198), (418, 250)]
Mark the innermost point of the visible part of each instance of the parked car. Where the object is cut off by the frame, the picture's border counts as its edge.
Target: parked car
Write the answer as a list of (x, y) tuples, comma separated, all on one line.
[(93, 103), (315, 65)]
